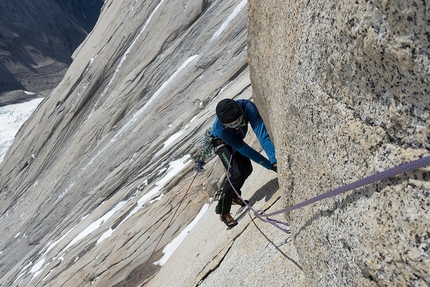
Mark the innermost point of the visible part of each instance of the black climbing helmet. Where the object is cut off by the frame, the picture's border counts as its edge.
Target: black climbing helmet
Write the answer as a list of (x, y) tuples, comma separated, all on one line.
[(228, 111)]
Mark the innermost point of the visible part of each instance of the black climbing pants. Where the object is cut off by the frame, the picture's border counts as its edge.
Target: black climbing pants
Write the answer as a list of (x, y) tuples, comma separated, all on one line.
[(238, 166)]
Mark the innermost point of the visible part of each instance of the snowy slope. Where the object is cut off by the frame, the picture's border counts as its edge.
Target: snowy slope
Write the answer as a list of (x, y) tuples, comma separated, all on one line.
[(11, 118)]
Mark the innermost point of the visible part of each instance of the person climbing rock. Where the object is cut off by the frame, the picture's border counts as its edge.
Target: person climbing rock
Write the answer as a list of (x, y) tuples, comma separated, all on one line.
[(228, 131)]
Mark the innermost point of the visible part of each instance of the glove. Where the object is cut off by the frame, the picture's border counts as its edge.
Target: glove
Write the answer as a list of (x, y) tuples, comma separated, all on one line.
[(275, 167), (199, 165)]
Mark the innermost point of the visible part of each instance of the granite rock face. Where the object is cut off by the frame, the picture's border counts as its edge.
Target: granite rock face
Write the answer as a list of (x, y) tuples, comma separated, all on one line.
[(99, 180), (345, 87), (254, 253)]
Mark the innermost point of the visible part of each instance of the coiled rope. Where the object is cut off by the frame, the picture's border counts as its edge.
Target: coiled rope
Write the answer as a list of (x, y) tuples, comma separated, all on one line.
[(392, 172)]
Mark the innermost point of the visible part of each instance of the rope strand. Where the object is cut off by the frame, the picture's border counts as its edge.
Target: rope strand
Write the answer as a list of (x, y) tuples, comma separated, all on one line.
[(169, 224), (407, 167), (392, 172)]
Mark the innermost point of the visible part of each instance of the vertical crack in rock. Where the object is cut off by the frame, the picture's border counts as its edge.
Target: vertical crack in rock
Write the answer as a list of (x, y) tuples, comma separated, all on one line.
[(220, 260)]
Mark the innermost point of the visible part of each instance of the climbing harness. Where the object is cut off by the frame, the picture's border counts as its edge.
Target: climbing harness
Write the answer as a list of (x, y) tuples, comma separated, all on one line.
[(407, 167)]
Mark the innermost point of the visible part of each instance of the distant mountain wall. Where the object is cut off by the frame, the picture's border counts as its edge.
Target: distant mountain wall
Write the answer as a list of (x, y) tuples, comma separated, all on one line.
[(345, 88), (95, 175), (37, 40)]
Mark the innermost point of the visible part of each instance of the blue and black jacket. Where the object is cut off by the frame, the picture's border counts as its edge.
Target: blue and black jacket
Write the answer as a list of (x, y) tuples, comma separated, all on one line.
[(234, 137)]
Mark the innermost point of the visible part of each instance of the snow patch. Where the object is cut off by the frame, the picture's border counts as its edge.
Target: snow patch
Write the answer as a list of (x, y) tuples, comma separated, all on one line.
[(37, 268), (96, 224), (12, 117), (172, 246), (235, 12), (156, 199), (174, 168)]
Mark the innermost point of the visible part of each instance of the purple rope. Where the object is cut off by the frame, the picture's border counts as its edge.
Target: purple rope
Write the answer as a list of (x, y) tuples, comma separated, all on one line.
[(272, 221), (410, 166), (407, 167)]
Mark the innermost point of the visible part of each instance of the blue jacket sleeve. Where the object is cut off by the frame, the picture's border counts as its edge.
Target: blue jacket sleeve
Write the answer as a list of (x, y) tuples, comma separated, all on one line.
[(260, 131), (234, 138), (249, 152)]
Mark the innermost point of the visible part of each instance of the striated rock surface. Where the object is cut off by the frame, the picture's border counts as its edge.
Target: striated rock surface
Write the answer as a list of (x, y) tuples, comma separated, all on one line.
[(103, 166), (345, 86), (253, 253)]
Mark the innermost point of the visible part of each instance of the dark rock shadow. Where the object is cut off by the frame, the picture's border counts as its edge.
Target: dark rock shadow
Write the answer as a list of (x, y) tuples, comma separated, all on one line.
[(287, 240), (265, 192), (8, 81)]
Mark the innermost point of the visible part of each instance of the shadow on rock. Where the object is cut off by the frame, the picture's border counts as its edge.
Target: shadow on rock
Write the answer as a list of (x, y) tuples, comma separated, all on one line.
[(265, 192), (277, 246)]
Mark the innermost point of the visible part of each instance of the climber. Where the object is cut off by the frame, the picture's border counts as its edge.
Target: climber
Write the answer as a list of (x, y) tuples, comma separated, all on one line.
[(228, 131)]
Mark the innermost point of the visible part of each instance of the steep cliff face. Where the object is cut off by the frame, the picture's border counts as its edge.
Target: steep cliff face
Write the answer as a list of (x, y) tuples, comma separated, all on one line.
[(37, 40), (92, 182), (345, 87), (94, 176)]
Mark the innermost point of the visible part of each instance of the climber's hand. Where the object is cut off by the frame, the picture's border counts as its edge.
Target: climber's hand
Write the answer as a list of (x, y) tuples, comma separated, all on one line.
[(199, 165), (275, 167)]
